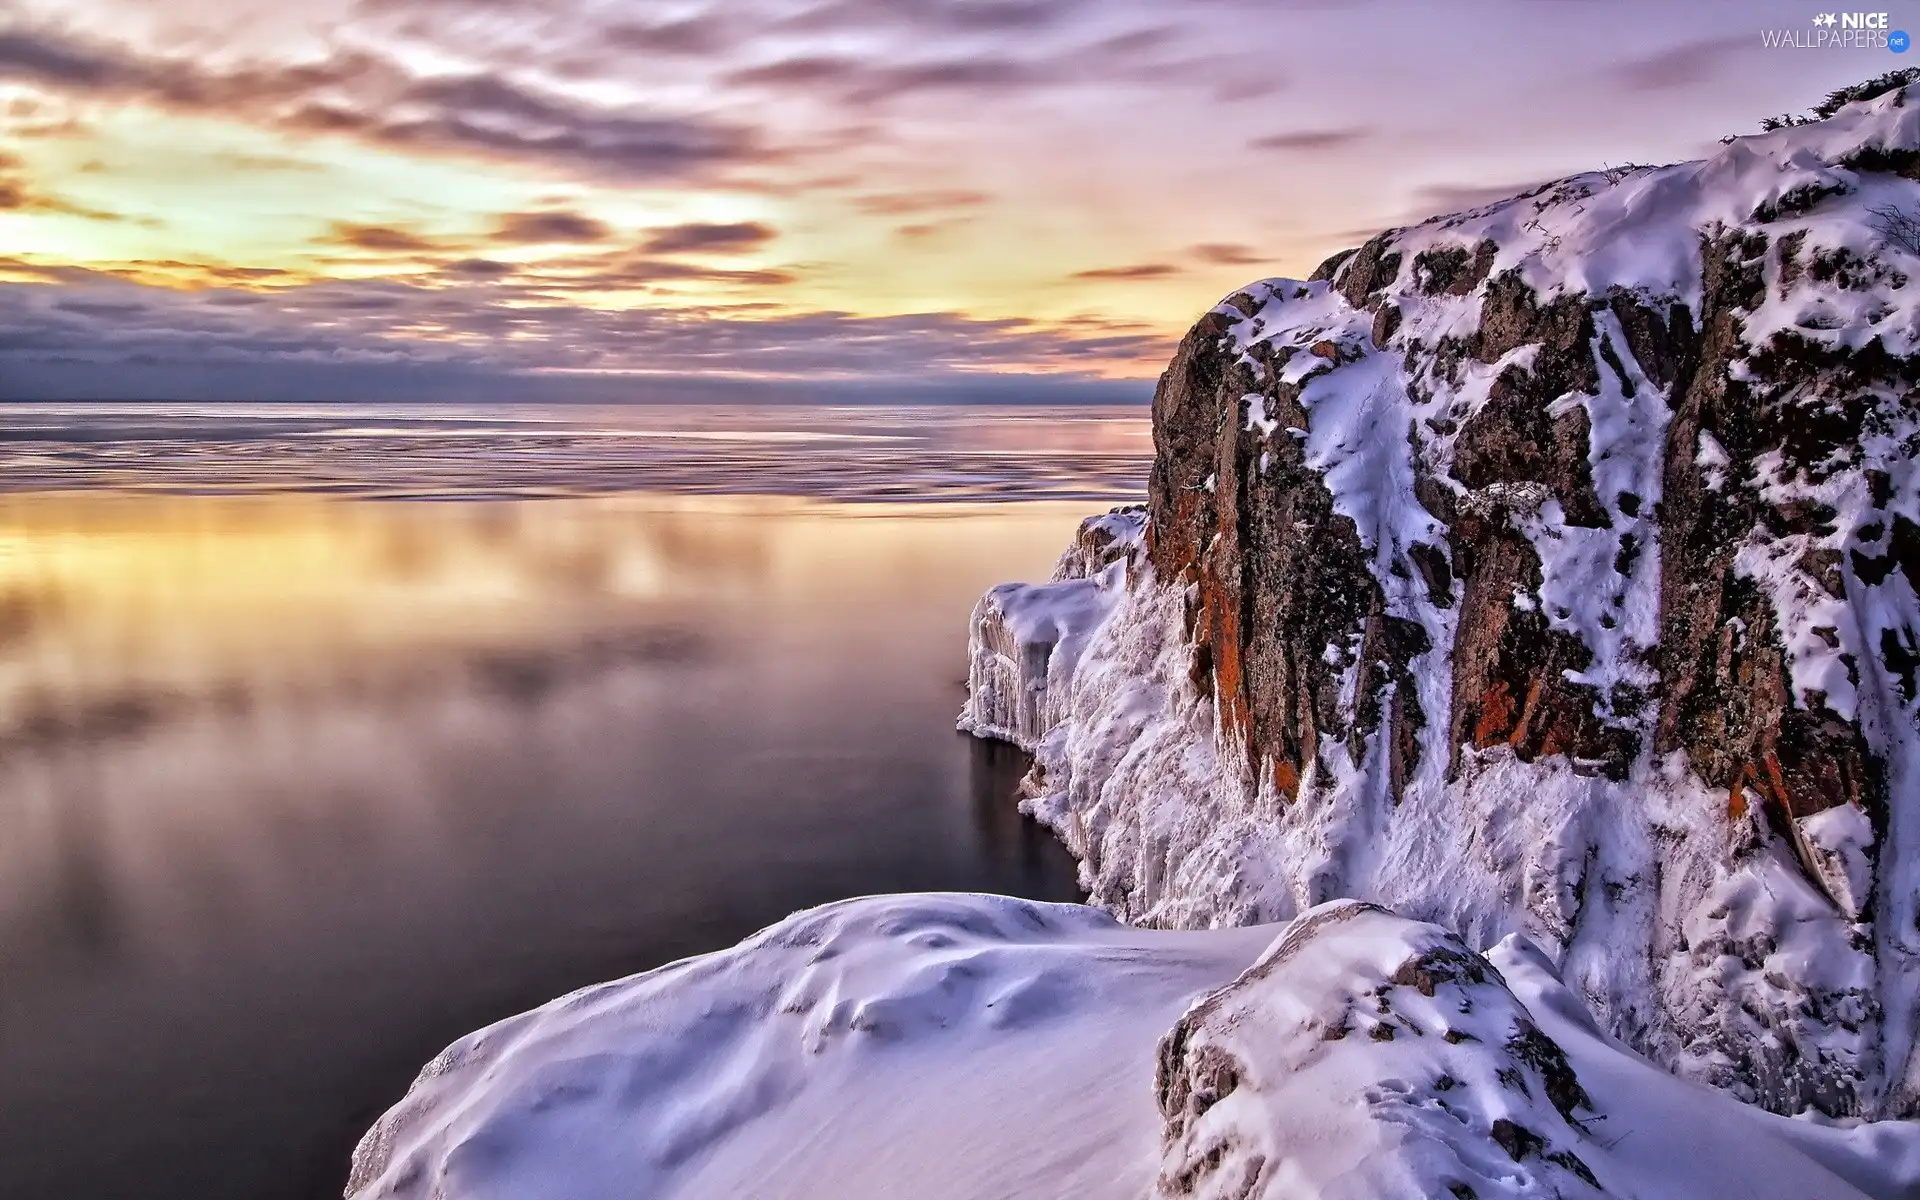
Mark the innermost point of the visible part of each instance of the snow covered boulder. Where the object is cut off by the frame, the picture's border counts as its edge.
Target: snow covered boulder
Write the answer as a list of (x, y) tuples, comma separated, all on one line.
[(1101, 541), (1369, 1056)]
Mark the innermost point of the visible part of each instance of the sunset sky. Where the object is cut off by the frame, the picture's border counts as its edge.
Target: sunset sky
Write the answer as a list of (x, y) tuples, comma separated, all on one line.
[(376, 199)]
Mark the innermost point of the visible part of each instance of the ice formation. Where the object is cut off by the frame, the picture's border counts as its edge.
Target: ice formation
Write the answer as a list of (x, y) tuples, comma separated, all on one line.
[(1025, 639)]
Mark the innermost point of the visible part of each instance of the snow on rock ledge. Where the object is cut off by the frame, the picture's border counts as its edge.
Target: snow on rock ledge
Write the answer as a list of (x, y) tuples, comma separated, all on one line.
[(1024, 640), (1551, 568)]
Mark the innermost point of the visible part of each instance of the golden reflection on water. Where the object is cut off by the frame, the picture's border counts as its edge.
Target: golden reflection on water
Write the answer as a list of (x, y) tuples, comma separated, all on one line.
[(102, 594), (197, 667), (169, 590)]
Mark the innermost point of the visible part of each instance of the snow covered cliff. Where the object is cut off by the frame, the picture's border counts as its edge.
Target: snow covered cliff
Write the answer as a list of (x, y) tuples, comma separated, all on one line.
[(1547, 568)]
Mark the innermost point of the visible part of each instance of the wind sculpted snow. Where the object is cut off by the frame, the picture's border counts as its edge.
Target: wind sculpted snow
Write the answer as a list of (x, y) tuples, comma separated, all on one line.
[(965, 1047), (939, 1046)]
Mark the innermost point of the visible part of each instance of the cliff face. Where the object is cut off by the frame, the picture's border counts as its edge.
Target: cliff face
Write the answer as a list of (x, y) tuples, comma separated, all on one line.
[(1552, 567)]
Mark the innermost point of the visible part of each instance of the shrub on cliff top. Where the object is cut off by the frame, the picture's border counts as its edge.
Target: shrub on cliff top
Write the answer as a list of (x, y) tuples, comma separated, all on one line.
[(1839, 98)]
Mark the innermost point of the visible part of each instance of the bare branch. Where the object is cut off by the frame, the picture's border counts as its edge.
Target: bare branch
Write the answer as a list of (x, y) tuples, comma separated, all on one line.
[(1898, 226)]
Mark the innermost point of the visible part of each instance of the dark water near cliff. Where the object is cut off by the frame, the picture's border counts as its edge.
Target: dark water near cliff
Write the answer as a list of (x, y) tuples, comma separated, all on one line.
[(295, 790)]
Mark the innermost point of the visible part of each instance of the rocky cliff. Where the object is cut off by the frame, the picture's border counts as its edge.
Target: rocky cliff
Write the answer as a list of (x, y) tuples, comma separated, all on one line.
[(1551, 568)]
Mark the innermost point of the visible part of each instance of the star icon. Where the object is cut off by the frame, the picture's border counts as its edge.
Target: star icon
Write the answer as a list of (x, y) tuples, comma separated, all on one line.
[(1826, 19)]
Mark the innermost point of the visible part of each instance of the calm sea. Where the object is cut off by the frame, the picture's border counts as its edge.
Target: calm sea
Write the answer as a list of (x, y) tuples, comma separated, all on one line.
[(302, 777)]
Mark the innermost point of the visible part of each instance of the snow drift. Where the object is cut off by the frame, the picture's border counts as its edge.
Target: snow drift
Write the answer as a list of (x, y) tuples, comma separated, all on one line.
[(1550, 568), (974, 1047), (936, 1046)]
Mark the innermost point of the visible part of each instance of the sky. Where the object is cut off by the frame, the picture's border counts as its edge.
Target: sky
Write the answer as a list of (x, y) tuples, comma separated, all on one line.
[(780, 199)]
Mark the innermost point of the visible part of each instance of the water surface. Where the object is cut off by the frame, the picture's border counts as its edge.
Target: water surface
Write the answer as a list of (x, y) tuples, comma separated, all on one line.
[(921, 452), (295, 789)]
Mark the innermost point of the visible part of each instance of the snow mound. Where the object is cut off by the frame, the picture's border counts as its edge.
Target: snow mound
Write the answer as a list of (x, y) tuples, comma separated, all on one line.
[(934, 1045), (1368, 1056), (966, 1047)]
